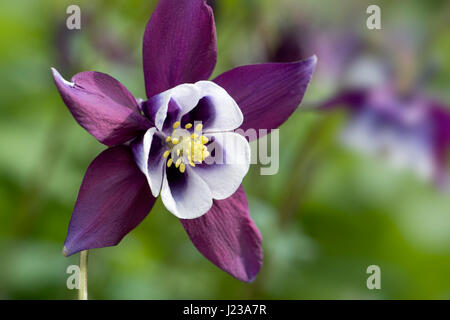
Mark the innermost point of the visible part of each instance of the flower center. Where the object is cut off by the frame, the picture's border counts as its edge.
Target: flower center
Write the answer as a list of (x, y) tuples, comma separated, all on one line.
[(186, 148)]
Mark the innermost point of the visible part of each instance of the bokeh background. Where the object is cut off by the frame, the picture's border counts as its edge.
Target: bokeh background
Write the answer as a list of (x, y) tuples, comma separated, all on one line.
[(329, 213)]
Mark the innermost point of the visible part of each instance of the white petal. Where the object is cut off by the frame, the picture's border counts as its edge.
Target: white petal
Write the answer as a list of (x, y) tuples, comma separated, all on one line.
[(231, 164), (186, 199), (228, 115), (186, 96), (151, 162)]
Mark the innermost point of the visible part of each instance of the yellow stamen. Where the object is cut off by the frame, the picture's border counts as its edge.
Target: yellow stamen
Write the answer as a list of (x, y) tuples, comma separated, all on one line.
[(199, 127), (189, 149)]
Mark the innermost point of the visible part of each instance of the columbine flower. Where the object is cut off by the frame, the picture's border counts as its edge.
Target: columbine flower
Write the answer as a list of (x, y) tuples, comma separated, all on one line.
[(410, 131), (163, 145), (390, 116)]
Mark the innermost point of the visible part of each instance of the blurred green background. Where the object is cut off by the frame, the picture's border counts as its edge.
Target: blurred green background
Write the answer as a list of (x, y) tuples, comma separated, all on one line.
[(325, 217)]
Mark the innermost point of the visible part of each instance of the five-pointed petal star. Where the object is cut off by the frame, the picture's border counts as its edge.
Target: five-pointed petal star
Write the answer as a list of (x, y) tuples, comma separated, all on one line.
[(161, 146)]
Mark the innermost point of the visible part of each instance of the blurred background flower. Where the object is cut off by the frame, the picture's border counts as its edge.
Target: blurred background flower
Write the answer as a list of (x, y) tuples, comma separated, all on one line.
[(330, 212)]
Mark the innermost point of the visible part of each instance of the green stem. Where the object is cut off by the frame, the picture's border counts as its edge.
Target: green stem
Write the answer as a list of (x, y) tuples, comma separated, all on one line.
[(83, 291)]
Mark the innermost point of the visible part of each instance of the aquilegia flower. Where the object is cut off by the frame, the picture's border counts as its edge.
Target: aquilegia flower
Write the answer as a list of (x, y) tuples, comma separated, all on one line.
[(410, 131), (162, 146), (390, 115)]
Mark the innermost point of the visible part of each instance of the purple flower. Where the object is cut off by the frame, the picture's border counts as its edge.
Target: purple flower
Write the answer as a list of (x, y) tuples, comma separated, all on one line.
[(410, 131), (162, 145)]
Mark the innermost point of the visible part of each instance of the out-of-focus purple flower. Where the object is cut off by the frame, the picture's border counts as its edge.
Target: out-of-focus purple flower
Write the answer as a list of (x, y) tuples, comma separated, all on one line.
[(411, 131), (370, 81), (162, 145)]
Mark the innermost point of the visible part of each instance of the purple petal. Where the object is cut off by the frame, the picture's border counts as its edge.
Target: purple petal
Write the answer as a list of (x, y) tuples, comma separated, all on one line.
[(103, 106), (268, 93), (179, 45), (113, 199), (441, 123), (228, 237)]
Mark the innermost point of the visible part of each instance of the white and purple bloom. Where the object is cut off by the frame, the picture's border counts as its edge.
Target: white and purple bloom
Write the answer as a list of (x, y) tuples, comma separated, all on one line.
[(162, 146), (390, 116), (410, 131)]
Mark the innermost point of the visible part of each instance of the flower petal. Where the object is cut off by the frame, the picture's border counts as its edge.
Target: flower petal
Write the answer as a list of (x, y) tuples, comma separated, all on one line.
[(186, 195), (440, 115), (103, 106), (228, 237), (148, 153), (202, 101), (179, 45), (217, 109), (113, 199), (267, 93), (166, 108), (231, 163)]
